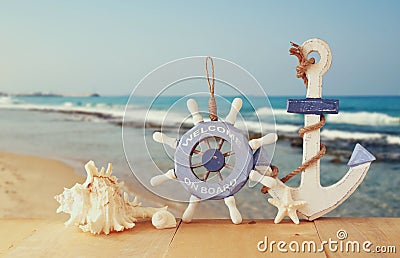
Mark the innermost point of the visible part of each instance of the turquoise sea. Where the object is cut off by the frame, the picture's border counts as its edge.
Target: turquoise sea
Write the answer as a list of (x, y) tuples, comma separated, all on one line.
[(78, 129)]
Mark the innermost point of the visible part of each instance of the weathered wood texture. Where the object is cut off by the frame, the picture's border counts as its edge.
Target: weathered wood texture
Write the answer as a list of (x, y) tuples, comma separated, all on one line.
[(382, 232), (53, 239), (201, 238), (219, 238)]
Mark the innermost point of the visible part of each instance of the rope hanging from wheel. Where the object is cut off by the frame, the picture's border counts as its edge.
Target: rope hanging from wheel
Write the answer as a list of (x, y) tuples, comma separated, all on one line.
[(212, 105)]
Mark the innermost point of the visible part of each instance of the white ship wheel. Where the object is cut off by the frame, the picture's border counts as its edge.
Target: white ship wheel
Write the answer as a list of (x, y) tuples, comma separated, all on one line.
[(189, 158), (214, 135)]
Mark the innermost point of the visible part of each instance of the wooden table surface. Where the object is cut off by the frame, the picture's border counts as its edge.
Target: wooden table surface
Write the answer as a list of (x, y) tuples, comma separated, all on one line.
[(205, 238)]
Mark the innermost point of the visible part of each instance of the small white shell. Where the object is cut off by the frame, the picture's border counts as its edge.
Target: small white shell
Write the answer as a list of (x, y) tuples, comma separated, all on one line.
[(163, 219)]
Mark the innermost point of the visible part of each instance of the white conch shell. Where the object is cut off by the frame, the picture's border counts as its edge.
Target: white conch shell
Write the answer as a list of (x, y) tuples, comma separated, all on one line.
[(163, 219), (100, 205)]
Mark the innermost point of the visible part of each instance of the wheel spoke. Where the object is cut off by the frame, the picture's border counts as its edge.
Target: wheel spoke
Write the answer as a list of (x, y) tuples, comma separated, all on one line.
[(207, 143), (220, 176), (229, 153), (196, 165), (197, 152), (206, 175), (229, 166), (221, 142), (201, 147)]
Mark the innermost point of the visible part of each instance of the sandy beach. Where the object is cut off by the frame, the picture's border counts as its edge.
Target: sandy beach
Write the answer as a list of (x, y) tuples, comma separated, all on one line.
[(29, 184)]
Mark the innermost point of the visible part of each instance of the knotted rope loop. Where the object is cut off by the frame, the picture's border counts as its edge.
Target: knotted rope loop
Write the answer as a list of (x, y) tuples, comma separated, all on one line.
[(304, 63)]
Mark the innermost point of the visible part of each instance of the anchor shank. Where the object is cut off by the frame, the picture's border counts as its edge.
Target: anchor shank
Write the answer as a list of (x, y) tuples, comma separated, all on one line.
[(314, 89), (310, 178)]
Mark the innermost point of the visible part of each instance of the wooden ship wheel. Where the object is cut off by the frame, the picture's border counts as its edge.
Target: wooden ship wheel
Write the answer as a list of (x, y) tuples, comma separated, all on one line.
[(214, 159)]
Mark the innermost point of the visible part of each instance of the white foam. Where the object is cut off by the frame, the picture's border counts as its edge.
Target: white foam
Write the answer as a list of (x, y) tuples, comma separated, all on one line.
[(6, 100), (254, 126), (336, 134), (102, 105), (157, 117), (390, 139), (67, 107), (68, 104), (363, 118), (264, 111), (355, 118), (285, 128)]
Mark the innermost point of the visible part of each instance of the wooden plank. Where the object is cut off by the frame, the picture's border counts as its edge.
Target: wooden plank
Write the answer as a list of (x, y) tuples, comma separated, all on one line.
[(53, 239), (201, 238), (220, 238), (379, 231)]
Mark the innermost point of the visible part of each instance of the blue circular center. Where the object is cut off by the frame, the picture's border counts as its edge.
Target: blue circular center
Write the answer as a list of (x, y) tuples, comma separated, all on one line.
[(213, 160)]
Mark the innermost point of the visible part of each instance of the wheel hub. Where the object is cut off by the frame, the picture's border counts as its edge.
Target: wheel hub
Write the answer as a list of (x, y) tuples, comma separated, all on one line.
[(213, 160)]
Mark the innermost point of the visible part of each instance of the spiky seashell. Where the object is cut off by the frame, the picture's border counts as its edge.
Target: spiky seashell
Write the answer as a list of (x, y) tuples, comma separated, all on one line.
[(163, 219), (100, 205)]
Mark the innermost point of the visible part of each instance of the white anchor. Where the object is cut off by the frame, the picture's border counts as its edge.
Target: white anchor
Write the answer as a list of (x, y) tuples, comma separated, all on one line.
[(320, 200)]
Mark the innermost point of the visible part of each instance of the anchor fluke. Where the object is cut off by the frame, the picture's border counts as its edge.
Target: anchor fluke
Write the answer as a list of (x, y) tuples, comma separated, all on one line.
[(360, 156)]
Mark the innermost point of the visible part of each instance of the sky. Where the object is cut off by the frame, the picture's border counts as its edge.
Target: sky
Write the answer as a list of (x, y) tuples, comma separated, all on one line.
[(79, 47)]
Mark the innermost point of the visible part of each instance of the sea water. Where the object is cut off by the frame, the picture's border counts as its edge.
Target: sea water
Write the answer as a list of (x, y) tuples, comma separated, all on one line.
[(78, 129)]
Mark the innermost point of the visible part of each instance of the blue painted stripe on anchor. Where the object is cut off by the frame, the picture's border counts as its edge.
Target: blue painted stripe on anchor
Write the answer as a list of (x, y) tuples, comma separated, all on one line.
[(313, 106)]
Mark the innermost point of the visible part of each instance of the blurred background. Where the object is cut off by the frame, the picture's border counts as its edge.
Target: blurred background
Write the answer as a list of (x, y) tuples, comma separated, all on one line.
[(67, 70)]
